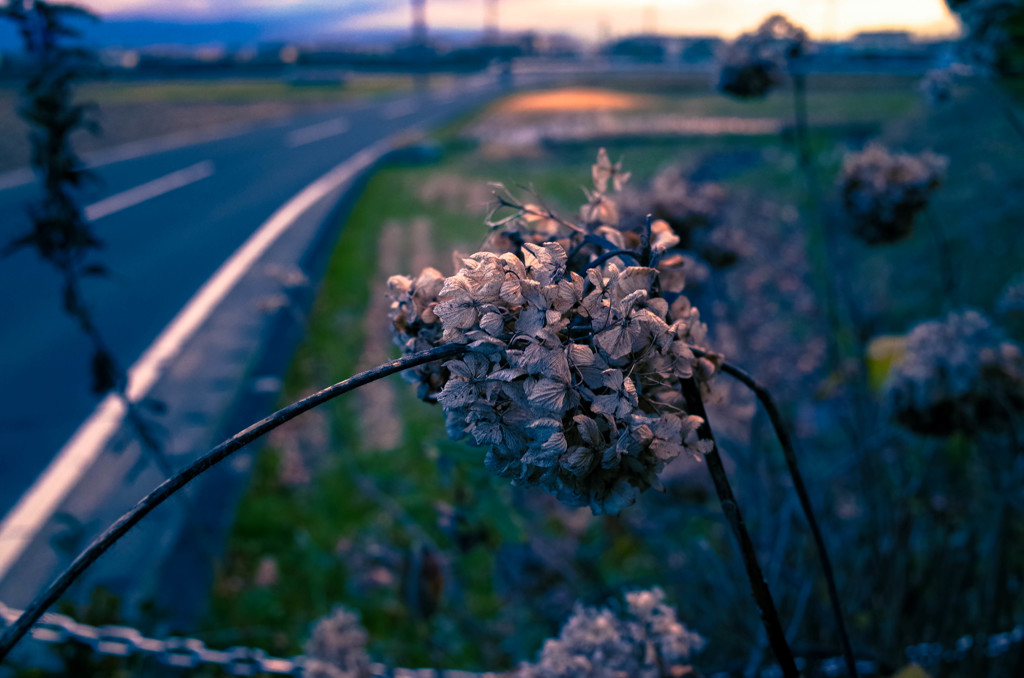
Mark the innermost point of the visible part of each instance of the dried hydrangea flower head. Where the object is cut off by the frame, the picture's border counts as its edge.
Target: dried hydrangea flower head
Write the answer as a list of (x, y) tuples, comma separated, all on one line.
[(959, 373), (937, 86), (415, 327), (645, 641), (577, 349), (1011, 301), (337, 647), (684, 205), (755, 63), (884, 192)]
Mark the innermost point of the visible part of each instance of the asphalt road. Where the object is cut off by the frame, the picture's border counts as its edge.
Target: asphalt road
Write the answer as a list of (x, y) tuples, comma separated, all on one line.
[(168, 220)]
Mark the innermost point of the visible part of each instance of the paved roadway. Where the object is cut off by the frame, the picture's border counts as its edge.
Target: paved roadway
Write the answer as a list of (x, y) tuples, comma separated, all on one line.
[(168, 220)]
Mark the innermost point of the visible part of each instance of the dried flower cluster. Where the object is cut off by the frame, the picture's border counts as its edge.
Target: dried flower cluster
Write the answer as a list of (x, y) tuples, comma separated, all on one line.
[(884, 192), (937, 86), (646, 641), (337, 647), (684, 205), (575, 357), (756, 63), (1011, 299), (959, 373)]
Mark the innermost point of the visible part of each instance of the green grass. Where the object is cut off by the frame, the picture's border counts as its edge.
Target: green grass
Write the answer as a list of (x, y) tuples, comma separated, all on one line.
[(237, 91), (306, 525)]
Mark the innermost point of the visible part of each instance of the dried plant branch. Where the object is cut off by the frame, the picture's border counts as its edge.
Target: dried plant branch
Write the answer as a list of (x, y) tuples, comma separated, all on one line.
[(102, 543), (61, 234), (789, 452), (759, 587)]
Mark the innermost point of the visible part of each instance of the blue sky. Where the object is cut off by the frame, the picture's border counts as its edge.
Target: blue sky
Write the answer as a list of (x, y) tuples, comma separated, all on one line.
[(585, 18)]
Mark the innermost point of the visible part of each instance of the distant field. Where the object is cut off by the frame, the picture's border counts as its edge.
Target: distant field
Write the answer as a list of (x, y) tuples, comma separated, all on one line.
[(132, 111), (239, 91)]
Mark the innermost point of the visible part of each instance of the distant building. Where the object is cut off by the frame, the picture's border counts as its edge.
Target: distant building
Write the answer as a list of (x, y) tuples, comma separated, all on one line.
[(699, 49), (883, 41), (645, 48), (650, 48), (556, 45)]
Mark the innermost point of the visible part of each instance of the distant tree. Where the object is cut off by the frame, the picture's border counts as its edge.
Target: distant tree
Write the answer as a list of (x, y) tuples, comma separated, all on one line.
[(995, 32)]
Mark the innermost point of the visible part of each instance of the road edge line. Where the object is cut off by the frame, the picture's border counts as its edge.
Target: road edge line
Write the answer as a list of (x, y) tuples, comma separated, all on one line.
[(35, 507)]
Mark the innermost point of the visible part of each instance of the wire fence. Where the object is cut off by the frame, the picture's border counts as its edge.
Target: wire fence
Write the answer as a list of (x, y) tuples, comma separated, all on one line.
[(191, 653)]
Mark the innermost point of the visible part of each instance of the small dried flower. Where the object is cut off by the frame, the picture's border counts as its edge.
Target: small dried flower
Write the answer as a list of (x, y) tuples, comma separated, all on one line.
[(937, 86), (337, 647), (574, 365), (884, 192), (415, 327), (959, 373), (645, 641), (684, 205), (1011, 301), (755, 63)]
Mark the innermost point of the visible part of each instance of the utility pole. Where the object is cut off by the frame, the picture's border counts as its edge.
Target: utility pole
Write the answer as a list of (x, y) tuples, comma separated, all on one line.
[(419, 44), (650, 25), (419, 23), (491, 21)]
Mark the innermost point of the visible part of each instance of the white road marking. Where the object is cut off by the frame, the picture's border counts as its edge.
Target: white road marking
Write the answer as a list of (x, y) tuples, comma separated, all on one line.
[(318, 132), (400, 108), (139, 149), (149, 190), (446, 95), (20, 526)]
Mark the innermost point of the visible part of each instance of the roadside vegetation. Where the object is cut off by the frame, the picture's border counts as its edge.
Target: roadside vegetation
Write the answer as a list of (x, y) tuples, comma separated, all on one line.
[(449, 566), (835, 236)]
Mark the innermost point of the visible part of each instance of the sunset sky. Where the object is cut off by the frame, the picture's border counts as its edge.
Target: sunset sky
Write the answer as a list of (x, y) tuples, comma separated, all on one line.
[(584, 18)]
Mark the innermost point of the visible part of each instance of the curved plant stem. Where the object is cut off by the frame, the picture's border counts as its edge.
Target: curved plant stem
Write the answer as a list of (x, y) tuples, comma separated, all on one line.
[(1012, 119), (802, 128), (762, 596), (102, 543), (945, 258), (789, 451)]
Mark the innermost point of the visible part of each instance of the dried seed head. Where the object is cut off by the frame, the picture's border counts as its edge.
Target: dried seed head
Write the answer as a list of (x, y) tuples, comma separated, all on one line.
[(755, 63), (683, 205), (337, 647), (959, 373), (645, 640), (572, 378), (937, 86), (883, 192), (1011, 301)]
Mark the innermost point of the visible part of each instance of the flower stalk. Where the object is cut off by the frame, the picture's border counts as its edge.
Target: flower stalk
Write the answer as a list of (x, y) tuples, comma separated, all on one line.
[(789, 452), (759, 587), (113, 534)]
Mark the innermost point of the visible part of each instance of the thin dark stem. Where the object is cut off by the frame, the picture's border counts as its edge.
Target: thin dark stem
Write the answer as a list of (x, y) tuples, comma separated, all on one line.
[(612, 255), (101, 544), (731, 509), (1007, 109), (802, 128), (805, 157), (150, 444), (945, 261), (789, 451)]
